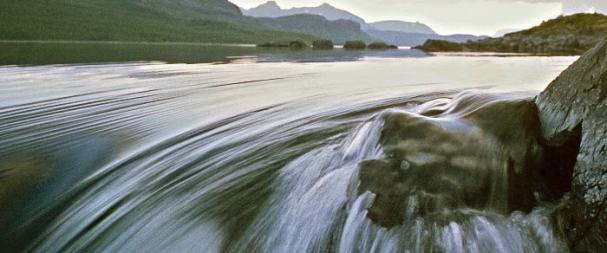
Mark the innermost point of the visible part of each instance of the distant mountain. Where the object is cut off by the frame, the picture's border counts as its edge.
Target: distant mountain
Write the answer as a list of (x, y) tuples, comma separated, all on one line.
[(133, 20), (564, 35), (208, 6), (395, 32), (272, 10), (338, 30), (402, 26), (216, 21), (415, 39)]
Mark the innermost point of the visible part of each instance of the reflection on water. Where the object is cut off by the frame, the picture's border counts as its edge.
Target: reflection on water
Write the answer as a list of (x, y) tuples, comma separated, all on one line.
[(38, 53), (260, 157)]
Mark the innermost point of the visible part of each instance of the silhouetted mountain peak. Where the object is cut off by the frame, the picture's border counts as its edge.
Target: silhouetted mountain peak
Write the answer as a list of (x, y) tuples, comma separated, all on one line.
[(270, 4), (271, 9)]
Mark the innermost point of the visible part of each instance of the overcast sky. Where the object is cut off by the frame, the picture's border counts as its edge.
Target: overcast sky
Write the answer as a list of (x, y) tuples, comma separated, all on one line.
[(449, 16)]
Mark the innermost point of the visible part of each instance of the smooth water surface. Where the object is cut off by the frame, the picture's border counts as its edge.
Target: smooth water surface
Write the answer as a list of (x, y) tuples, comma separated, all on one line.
[(79, 52)]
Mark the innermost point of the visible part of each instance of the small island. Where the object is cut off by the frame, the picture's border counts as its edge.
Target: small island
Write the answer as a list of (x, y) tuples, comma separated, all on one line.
[(328, 45), (295, 45), (355, 45), (298, 44), (323, 44), (381, 46)]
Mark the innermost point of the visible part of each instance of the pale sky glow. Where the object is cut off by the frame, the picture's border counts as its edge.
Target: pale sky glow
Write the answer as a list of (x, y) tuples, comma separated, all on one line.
[(481, 17)]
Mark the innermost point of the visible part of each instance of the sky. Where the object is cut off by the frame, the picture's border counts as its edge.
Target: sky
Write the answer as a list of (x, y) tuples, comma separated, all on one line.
[(480, 17)]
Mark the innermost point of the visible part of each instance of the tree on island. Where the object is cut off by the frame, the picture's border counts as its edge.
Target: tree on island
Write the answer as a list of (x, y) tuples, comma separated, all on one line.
[(322, 44), (380, 46), (355, 45)]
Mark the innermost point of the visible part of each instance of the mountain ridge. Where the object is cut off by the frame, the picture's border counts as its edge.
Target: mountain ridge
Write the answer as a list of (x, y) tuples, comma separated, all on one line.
[(214, 21), (271, 9), (339, 31), (402, 26), (402, 33)]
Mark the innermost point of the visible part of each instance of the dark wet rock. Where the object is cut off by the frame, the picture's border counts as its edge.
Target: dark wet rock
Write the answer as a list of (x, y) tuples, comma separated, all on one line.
[(466, 155), (573, 110)]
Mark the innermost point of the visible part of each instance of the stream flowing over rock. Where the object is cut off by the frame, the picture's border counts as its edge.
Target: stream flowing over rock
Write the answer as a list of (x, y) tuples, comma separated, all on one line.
[(573, 114)]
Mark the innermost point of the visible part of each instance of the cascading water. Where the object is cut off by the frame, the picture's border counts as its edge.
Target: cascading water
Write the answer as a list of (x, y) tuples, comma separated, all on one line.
[(439, 172)]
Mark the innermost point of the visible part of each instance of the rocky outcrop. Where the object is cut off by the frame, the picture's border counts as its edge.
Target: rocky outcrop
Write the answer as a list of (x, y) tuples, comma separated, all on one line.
[(574, 107)]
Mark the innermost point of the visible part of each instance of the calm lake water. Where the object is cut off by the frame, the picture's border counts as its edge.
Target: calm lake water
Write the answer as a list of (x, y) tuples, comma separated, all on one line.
[(257, 155), (65, 52)]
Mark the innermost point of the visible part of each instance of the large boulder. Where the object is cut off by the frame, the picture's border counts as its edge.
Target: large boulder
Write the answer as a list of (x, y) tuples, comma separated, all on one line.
[(573, 115), (463, 155)]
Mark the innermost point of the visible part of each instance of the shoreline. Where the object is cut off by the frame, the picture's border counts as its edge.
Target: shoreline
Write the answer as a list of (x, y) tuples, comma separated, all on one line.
[(159, 43)]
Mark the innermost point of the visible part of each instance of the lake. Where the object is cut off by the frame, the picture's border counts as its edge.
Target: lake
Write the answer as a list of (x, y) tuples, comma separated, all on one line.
[(69, 52), (189, 148)]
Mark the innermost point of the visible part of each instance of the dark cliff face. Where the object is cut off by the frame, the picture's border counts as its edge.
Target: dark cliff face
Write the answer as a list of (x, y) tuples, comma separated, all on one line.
[(574, 106)]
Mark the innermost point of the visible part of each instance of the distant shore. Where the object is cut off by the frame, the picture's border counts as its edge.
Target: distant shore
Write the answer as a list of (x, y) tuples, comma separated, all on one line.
[(129, 42), (151, 43)]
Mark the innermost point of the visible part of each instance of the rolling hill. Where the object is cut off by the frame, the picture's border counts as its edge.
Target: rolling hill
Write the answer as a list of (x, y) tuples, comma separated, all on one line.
[(572, 34), (134, 20), (214, 21)]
